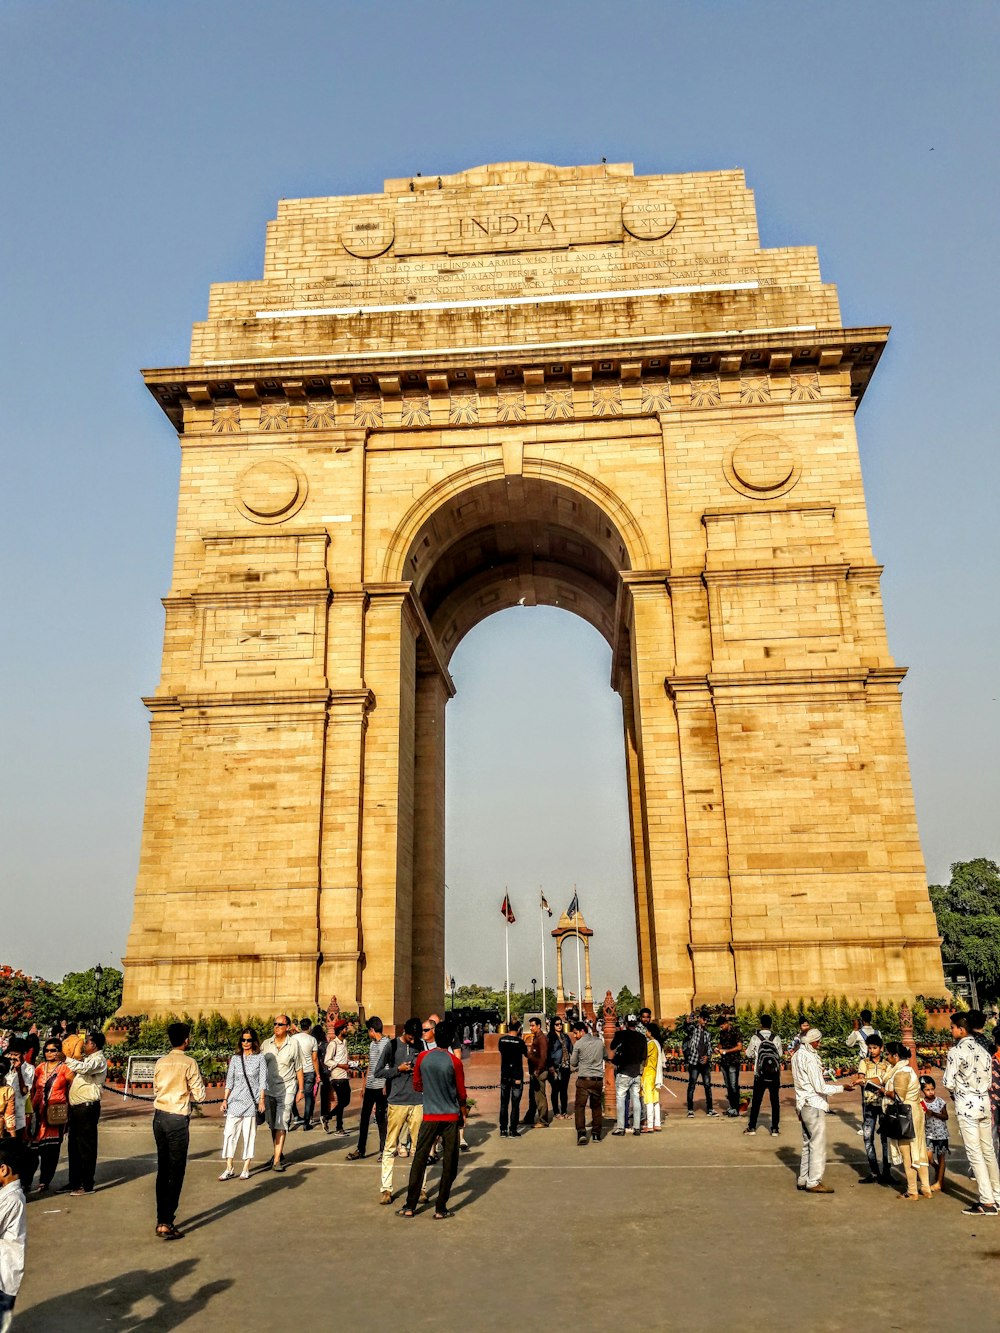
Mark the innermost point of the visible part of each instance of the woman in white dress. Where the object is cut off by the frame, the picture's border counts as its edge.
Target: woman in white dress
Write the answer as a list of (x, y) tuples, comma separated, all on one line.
[(245, 1081)]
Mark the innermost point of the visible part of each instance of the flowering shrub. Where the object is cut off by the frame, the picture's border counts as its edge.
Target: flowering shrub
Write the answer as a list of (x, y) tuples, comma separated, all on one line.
[(24, 1000)]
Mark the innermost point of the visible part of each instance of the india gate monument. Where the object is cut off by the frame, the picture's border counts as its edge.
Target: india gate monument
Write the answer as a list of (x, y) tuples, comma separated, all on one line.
[(523, 384)]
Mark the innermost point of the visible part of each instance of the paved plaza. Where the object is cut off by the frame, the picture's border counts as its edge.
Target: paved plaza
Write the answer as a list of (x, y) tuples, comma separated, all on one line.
[(696, 1226)]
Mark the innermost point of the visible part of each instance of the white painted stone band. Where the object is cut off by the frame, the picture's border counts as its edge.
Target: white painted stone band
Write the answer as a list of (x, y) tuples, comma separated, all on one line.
[(345, 311)]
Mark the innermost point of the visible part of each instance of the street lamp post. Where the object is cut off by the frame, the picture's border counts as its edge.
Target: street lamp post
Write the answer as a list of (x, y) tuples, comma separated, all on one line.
[(98, 978), (534, 983), (451, 987)]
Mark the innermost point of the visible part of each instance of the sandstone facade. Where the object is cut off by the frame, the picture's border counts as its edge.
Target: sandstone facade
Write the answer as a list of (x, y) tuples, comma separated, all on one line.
[(523, 383)]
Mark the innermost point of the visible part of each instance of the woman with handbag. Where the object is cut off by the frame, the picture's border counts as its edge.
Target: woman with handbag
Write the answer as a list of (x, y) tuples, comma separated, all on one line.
[(903, 1122), (50, 1101), (243, 1103)]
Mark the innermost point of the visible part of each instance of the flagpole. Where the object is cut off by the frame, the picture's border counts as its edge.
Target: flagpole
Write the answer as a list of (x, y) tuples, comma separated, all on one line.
[(541, 930), (506, 942)]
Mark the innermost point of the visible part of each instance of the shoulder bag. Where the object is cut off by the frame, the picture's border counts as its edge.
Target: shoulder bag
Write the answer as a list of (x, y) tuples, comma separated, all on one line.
[(55, 1114), (261, 1117), (897, 1120)]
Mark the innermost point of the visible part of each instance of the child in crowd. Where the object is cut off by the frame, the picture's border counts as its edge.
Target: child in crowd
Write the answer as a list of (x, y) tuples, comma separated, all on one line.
[(935, 1128), (13, 1230), (8, 1114)]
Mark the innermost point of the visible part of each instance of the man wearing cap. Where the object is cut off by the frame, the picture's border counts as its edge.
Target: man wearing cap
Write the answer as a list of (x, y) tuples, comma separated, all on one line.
[(812, 1093), (628, 1054), (177, 1082)]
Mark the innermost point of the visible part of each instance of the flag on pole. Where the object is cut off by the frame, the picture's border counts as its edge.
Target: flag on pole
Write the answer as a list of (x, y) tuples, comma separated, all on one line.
[(507, 911), (574, 906), (544, 904)]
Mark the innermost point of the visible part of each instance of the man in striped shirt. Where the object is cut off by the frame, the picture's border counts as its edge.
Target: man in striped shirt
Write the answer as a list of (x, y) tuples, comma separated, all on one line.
[(439, 1078)]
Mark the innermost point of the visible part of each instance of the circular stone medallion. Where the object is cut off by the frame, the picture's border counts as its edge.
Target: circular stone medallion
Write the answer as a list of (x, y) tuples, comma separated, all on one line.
[(762, 466), (270, 491), (647, 217), (367, 236)]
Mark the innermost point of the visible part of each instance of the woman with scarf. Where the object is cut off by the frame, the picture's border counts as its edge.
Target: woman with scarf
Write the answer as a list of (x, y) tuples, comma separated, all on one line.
[(902, 1084)]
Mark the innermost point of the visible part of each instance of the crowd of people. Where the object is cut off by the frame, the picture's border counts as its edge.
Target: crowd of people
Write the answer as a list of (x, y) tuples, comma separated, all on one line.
[(415, 1090)]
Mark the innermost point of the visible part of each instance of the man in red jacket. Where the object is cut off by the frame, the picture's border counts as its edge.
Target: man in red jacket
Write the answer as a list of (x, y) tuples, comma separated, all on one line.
[(439, 1078)]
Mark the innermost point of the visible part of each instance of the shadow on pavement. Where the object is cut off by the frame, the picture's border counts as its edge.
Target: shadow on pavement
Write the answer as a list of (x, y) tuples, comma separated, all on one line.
[(247, 1196), (112, 1304), (471, 1185)]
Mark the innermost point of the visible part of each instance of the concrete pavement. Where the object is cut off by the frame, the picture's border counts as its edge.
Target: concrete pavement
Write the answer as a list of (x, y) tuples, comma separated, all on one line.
[(696, 1225)]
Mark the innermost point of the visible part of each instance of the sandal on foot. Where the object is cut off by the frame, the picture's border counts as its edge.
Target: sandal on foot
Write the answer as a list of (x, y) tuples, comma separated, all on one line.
[(406, 1212), (441, 1217)]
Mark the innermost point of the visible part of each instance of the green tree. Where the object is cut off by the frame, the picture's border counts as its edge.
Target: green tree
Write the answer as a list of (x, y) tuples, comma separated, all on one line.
[(78, 995), (627, 1002), (968, 917)]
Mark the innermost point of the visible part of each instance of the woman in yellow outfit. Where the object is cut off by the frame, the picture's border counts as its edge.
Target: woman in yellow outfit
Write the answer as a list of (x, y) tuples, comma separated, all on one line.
[(652, 1082), (902, 1084)]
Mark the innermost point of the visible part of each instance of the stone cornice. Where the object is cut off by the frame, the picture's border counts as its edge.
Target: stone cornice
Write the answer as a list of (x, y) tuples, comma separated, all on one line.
[(650, 365)]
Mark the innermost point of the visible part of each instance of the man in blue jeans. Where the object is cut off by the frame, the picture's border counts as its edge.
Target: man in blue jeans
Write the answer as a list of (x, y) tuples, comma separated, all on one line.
[(628, 1054), (698, 1054)]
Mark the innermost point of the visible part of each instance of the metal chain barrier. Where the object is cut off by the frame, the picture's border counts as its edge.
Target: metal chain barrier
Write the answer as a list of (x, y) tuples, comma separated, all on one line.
[(147, 1097)]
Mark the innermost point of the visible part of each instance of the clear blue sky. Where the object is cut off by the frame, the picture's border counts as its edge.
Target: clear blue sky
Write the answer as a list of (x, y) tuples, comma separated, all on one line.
[(145, 148)]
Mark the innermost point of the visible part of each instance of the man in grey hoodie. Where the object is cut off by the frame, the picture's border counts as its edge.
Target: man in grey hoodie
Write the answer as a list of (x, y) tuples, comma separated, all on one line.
[(587, 1062)]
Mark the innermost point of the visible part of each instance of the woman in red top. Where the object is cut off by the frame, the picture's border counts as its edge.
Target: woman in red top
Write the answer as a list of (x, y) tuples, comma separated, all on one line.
[(50, 1099)]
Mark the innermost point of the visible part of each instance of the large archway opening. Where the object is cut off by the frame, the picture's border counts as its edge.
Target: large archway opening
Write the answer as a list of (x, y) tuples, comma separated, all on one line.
[(506, 542), (536, 797)]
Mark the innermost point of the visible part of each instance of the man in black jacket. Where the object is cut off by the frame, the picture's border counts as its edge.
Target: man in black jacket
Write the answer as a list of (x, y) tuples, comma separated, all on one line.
[(628, 1054), (513, 1054)]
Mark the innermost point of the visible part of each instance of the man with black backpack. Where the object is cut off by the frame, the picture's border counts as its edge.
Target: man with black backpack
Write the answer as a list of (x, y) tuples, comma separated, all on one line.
[(764, 1049)]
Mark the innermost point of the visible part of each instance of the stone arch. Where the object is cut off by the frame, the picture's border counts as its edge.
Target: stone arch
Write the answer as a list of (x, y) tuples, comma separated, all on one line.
[(616, 510)]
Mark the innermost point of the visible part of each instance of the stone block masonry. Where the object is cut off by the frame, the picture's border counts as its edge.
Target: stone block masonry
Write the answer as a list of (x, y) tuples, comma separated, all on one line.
[(523, 384)]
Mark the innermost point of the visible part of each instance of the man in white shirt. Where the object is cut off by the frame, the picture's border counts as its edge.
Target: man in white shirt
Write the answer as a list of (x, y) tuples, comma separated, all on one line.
[(859, 1037), (283, 1059), (13, 1232), (309, 1047), (812, 1105), (967, 1074), (89, 1074)]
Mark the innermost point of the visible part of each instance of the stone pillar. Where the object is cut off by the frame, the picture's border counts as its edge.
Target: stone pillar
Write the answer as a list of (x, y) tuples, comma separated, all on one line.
[(560, 993), (428, 844), (340, 846), (664, 834), (587, 1004), (387, 803), (708, 859), (610, 1026), (640, 860), (906, 1034)]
